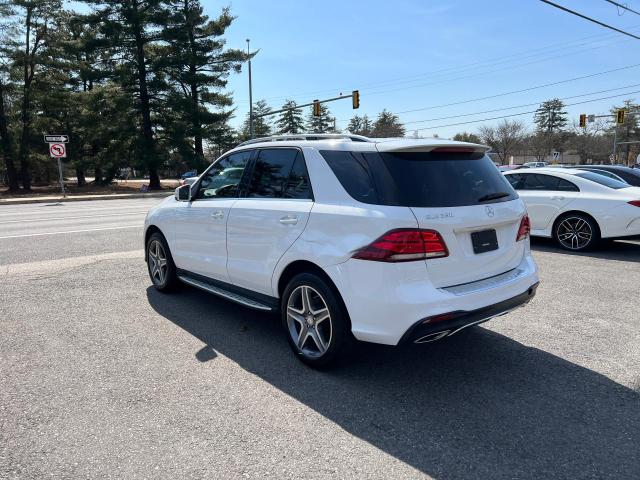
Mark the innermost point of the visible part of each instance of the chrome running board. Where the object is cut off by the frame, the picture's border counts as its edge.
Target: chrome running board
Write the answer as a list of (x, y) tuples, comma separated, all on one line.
[(234, 297)]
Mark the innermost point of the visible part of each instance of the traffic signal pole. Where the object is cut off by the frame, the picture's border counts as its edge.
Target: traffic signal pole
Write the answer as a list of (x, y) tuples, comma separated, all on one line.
[(355, 95)]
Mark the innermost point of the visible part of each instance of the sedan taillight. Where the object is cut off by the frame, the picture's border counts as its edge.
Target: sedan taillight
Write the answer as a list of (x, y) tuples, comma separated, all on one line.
[(404, 245), (635, 203), (525, 228)]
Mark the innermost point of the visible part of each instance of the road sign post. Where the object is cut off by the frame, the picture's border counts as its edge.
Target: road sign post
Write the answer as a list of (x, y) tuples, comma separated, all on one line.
[(58, 150)]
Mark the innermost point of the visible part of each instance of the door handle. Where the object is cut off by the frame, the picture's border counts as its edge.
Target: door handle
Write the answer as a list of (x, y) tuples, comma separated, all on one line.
[(289, 220), (217, 214), (557, 197)]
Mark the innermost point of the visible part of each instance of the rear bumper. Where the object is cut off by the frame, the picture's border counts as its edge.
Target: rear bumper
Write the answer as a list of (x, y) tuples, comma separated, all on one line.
[(430, 329), (386, 300)]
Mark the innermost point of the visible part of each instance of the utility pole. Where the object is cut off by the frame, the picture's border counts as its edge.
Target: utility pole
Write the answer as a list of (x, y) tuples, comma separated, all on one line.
[(250, 95)]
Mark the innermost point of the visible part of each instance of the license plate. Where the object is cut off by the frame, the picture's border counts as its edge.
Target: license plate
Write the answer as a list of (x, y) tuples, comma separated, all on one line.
[(484, 241)]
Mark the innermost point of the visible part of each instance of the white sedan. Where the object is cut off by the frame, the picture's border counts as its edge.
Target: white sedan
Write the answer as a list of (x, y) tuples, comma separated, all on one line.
[(576, 207)]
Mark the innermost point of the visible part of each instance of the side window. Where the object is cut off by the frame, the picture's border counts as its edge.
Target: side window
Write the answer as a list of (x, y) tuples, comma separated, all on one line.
[(514, 180), (223, 178), (271, 173), (353, 173), (567, 186), (298, 185), (534, 181)]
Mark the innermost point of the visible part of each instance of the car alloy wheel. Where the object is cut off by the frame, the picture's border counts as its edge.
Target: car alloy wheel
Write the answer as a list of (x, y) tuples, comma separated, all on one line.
[(309, 321), (574, 233), (158, 266)]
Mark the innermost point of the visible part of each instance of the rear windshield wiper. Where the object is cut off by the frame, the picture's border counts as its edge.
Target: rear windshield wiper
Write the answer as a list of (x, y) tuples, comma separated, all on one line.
[(493, 196)]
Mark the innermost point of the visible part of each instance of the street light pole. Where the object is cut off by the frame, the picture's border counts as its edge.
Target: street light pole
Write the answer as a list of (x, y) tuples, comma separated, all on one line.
[(250, 95)]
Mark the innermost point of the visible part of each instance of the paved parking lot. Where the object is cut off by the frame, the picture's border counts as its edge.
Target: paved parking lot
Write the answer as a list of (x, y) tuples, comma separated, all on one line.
[(103, 377)]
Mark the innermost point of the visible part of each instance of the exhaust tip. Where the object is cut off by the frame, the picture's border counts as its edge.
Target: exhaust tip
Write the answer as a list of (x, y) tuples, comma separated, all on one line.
[(432, 337)]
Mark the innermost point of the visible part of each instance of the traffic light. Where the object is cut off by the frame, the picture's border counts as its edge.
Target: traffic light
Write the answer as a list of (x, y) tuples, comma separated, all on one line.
[(620, 116), (583, 120), (316, 108), (355, 99)]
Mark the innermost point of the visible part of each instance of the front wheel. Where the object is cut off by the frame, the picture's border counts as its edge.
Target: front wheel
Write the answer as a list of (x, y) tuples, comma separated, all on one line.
[(576, 232), (315, 320), (162, 270)]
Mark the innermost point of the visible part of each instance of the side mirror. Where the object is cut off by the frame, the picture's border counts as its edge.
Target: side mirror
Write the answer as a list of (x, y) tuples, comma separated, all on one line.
[(183, 193)]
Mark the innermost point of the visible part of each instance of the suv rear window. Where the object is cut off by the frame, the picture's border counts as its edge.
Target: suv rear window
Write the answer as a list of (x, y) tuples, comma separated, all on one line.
[(420, 179)]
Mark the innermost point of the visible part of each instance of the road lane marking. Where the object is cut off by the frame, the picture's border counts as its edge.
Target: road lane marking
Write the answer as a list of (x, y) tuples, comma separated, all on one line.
[(68, 231), (24, 220), (61, 264)]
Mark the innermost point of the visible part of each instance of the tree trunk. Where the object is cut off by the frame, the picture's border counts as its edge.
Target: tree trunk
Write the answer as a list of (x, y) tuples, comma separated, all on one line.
[(80, 175), (25, 115), (148, 144), (195, 100), (7, 146)]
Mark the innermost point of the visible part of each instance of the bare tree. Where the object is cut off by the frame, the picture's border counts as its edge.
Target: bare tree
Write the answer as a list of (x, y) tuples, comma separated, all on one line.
[(503, 138)]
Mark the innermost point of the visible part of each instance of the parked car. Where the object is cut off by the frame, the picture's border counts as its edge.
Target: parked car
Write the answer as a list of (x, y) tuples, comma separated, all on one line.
[(535, 164), (189, 174), (387, 241), (576, 207), (629, 175)]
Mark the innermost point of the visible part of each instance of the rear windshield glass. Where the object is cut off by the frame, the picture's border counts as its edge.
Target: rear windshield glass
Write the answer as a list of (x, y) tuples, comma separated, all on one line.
[(603, 180), (420, 179)]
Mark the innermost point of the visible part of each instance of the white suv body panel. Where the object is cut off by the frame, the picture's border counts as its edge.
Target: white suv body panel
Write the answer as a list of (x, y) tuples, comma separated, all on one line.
[(383, 299)]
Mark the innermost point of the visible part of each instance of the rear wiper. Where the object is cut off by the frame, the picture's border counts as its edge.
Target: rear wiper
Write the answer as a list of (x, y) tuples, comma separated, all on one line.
[(493, 196)]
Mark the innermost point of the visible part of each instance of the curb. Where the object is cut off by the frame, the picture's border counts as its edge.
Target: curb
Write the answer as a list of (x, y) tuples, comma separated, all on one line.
[(80, 198)]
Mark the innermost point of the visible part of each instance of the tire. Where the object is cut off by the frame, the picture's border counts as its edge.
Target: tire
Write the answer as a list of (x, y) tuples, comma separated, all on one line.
[(322, 319), (576, 232), (162, 270)]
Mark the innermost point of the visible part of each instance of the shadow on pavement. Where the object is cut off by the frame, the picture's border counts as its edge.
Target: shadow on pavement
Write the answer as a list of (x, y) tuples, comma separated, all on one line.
[(476, 405), (622, 250)]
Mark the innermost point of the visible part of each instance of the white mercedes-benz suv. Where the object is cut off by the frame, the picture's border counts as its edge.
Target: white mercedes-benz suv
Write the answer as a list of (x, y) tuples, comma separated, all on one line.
[(381, 240)]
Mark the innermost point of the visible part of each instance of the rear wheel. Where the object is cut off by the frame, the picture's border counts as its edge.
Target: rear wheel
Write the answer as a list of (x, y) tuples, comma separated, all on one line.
[(576, 232), (315, 320), (162, 270)]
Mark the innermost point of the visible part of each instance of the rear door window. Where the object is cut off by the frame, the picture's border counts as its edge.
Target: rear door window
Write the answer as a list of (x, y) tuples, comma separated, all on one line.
[(279, 173), (537, 181), (420, 179)]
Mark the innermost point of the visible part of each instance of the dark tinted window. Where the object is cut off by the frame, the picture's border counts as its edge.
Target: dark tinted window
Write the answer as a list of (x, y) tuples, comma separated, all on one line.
[(537, 181), (354, 174), (298, 185), (420, 179), (514, 180), (602, 180), (271, 174), (223, 178)]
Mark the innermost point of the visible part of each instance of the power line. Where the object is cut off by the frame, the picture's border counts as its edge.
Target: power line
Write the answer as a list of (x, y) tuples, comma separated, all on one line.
[(518, 57), (624, 7), (598, 22), (519, 106), (528, 89), (524, 113)]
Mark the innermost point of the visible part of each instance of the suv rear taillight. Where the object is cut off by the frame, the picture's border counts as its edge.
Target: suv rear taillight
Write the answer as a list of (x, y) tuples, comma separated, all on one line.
[(404, 245), (525, 228), (635, 203)]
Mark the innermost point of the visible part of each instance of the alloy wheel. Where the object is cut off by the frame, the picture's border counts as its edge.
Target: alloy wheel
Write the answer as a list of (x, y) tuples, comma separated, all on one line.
[(157, 262), (574, 233), (309, 321)]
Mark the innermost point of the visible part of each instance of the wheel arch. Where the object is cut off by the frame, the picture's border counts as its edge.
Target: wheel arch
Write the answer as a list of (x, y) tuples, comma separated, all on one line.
[(305, 266), (574, 212), (151, 229)]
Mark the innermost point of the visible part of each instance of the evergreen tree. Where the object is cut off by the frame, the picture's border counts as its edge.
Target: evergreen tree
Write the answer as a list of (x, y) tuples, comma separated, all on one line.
[(261, 125), (551, 120), (387, 125), (197, 67), (6, 89), (467, 137), (627, 132), (360, 125), (129, 29), (290, 121), (322, 124)]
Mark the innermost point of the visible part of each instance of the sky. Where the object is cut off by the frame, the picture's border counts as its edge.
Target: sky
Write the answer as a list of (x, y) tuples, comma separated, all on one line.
[(412, 57)]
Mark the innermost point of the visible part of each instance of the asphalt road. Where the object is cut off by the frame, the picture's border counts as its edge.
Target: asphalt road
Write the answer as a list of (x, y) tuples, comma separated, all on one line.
[(103, 377)]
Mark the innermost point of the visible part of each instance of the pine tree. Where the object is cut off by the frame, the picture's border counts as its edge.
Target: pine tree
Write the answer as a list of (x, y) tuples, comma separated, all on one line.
[(360, 125), (261, 125), (6, 89), (197, 67), (129, 29), (290, 121), (387, 125), (550, 116), (322, 124)]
